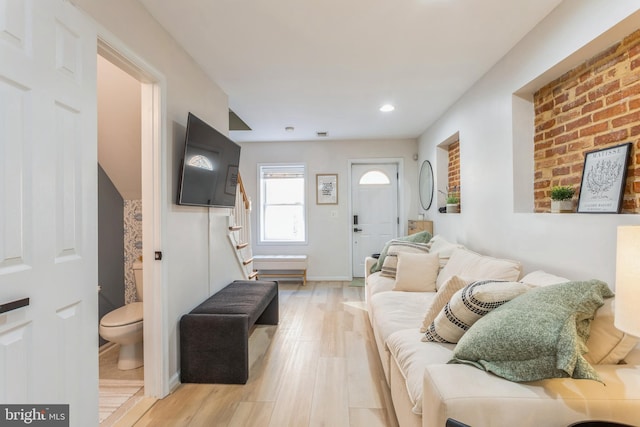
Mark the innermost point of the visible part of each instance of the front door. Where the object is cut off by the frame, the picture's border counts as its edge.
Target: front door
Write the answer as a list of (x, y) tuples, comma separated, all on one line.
[(48, 207), (374, 202)]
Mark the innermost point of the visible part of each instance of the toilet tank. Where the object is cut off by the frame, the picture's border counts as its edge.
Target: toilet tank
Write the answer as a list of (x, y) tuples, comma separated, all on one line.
[(137, 277)]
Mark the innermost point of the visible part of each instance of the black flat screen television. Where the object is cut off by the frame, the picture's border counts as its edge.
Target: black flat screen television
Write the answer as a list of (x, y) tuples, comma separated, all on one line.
[(209, 173)]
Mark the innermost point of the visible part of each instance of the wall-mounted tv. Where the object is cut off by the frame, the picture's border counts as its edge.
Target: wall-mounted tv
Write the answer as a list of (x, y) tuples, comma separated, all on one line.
[(209, 173)]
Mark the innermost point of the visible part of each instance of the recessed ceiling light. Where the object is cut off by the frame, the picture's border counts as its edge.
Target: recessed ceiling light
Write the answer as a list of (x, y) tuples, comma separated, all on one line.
[(289, 129), (387, 108)]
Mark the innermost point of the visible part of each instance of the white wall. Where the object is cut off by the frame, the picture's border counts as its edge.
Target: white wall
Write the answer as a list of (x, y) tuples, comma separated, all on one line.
[(491, 123), (329, 238), (186, 245)]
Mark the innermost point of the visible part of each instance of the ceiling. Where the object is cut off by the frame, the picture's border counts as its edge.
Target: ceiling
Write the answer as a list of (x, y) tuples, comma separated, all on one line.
[(328, 65)]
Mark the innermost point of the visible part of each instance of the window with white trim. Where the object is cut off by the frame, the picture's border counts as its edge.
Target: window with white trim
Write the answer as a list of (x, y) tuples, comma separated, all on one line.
[(282, 203)]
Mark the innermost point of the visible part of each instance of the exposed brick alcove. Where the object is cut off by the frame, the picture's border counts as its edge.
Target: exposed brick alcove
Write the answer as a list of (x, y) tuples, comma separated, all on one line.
[(453, 181), (596, 105)]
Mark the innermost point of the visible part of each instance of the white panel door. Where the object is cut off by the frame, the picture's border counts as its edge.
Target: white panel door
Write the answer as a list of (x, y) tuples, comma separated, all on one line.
[(48, 207), (375, 204)]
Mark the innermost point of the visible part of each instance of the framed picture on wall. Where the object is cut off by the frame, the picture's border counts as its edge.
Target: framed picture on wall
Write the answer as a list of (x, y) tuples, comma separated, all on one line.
[(327, 189), (603, 179)]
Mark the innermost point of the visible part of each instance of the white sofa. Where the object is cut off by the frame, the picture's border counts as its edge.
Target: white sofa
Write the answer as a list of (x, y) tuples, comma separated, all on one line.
[(426, 390)]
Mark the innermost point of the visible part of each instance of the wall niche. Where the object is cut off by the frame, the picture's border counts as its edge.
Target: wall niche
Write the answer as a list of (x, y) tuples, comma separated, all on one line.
[(593, 106), (448, 171)]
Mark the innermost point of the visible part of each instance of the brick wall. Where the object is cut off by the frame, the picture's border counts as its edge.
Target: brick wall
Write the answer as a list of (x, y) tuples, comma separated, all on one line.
[(453, 183), (596, 105)]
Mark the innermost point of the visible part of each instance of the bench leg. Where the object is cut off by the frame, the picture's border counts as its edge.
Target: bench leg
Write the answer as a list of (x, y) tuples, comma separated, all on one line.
[(214, 348)]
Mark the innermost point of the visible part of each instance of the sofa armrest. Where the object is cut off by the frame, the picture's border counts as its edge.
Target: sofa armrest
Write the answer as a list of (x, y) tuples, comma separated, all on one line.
[(368, 263)]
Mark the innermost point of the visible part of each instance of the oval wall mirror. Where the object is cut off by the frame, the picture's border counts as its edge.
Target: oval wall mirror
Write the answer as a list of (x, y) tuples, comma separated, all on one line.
[(425, 185)]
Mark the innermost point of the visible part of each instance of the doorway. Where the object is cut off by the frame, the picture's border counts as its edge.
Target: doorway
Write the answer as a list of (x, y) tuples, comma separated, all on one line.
[(374, 209), (120, 241), (152, 85)]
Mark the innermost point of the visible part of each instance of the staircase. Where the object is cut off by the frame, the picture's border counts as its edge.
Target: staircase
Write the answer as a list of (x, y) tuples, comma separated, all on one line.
[(240, 231)]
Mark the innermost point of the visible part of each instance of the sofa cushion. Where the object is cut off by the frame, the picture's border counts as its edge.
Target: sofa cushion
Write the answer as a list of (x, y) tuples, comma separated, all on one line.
[(488, 400), (468, 305), (390, 264), (540, 334), (377, 283), (446, 291), (439, 245), (395, 311), (466, 263), (416, 272), (412, 357), (607, 344), (421, 237)]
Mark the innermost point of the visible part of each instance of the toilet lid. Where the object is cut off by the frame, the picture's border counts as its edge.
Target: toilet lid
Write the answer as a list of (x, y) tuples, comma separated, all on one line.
[(130, 313)]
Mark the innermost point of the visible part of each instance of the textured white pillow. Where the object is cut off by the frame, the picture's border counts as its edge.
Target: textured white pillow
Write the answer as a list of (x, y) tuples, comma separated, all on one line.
[(416, 272), (439, 245), (446, 291), (390, 264), (541, 278), (466, 263), (468, 305), (607, 345)]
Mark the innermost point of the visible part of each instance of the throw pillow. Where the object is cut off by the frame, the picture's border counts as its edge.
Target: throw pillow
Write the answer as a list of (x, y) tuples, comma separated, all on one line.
[(538, 335), (421, 237), (443, 248), (607, 344), (468, 305), (466, 263), (416, 272), (541, 278), (390, 264), (446, 291)]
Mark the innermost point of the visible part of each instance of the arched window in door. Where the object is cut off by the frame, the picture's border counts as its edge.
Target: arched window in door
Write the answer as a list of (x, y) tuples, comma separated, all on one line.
[(374, 177)]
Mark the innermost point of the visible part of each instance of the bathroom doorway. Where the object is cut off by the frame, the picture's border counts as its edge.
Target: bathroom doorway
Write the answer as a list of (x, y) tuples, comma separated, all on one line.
[(120, 240), (129, 150)]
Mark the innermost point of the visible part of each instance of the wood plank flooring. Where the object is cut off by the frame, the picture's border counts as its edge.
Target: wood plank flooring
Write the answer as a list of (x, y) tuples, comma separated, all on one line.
[(318, 367)]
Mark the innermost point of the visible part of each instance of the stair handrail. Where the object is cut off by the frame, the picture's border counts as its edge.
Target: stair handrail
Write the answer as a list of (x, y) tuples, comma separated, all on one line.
[(245, 198)]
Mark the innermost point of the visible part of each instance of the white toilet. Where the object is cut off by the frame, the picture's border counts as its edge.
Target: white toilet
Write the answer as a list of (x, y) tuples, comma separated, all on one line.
[(124, 326)]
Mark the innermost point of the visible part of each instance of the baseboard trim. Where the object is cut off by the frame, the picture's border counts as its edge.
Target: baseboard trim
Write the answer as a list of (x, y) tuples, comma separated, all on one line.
[(174, 382), (329, 278)]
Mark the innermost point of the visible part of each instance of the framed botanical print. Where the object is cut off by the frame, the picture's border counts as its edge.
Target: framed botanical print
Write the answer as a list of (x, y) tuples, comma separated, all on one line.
[(603, 179)]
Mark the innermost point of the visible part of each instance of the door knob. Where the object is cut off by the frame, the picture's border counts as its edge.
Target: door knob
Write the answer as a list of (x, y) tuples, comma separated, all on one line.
[(356, 229)]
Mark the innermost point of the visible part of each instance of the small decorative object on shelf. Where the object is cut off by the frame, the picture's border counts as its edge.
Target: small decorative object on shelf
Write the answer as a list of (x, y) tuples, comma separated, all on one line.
[(562, 199), (453, 200)]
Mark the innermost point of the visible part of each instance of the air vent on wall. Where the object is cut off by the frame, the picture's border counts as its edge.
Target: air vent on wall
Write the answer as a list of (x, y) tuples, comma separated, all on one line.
[(236, 123)]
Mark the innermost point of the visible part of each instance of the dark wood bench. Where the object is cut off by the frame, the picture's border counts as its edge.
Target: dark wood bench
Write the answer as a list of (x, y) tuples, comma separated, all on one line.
[(214, 336)]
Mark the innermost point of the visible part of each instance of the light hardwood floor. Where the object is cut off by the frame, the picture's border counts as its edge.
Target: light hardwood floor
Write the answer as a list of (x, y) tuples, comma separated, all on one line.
[(318, 367)]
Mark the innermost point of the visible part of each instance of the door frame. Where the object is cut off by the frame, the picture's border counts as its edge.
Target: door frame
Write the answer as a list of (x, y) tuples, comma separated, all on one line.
[(153, 144), (399, 161)]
